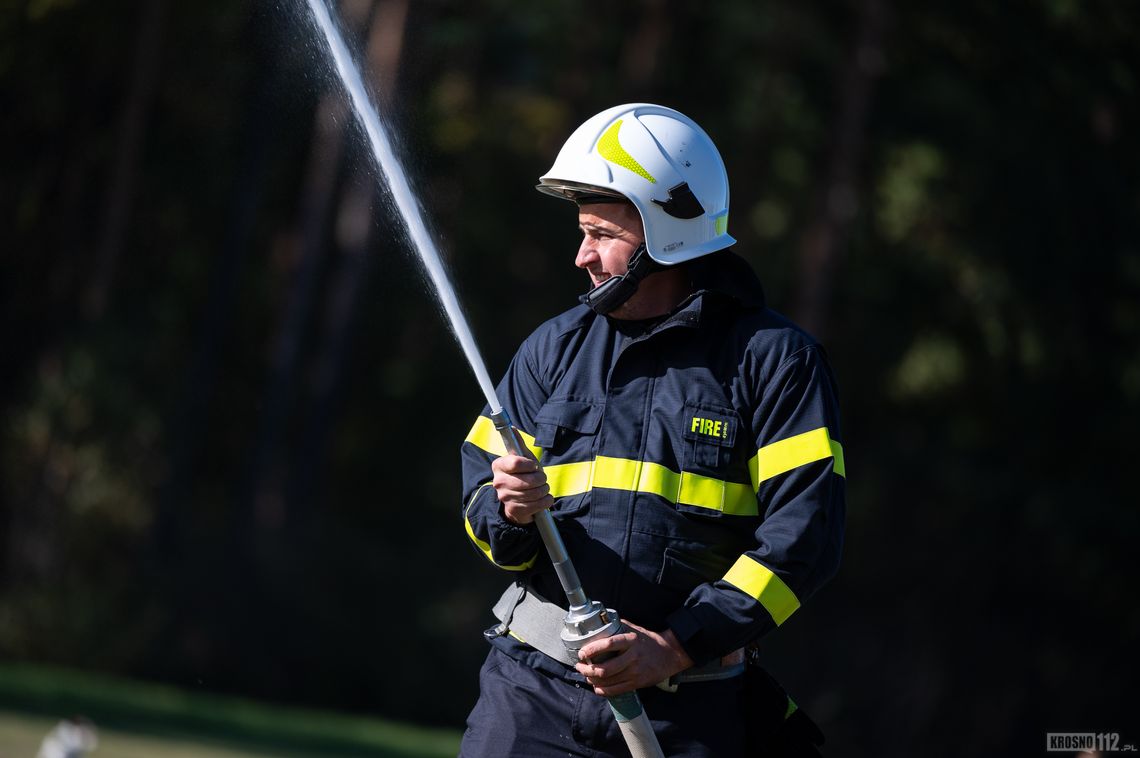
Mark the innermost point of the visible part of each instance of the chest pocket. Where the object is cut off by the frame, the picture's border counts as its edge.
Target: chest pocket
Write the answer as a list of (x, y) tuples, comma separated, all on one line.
[(683, 569), (710, 435), (568, 428)]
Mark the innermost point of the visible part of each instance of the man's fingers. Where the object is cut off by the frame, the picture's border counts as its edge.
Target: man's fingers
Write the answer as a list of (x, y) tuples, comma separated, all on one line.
[(624, 662), (619, 660), (523, 495), (615, 684), (523, 481), (612, 690), (523, 513), (514, 464), (612, 644), (608, 671), (507, 485), (520, 485), (504, 482), (609, 666)]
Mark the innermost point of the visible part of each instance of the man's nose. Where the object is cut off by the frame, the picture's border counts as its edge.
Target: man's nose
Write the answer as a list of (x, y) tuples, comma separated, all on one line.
[(587, 253)]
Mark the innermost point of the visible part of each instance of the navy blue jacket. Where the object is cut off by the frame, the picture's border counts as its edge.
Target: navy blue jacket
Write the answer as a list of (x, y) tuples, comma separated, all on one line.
[(697, 469)]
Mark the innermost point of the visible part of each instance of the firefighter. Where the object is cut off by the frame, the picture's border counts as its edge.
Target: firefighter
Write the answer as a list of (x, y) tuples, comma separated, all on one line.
[(690, 454)]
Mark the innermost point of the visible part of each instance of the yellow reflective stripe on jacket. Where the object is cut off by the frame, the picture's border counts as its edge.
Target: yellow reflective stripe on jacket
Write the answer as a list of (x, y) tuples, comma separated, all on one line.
[(486, 547), (684, 488), (484, 436), (758, 581), (793, 452)]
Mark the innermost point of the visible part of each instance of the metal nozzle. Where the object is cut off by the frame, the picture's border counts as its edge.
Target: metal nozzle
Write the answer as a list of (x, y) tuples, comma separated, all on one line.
[(512, 440), (586, 623), (500, 419)]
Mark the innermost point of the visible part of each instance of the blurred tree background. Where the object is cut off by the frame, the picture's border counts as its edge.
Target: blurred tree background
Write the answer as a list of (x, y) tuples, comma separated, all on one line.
[(231, 410)]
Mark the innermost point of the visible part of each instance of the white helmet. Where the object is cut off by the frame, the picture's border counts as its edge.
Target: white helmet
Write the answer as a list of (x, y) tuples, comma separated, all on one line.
[(660, 161)]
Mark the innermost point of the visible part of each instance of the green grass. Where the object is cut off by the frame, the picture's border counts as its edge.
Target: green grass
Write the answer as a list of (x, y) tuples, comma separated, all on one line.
[(137, 719), (20, 737)]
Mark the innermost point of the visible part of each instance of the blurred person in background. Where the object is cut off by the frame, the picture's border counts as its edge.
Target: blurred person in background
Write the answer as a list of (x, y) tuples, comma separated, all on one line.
[(71, 738), (690, 452)]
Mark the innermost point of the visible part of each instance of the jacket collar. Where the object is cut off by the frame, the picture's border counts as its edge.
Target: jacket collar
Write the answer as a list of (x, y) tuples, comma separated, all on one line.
[(721, 282), (726, 274)]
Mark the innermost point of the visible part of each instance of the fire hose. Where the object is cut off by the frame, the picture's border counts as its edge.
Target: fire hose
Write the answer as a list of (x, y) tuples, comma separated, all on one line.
[(586, 620)]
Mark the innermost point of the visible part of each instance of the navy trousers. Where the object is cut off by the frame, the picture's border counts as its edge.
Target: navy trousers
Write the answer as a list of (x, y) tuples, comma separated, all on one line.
[(525, 713)]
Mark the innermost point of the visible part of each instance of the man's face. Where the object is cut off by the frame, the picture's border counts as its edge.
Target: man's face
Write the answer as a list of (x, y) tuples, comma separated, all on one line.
[(611, 233)]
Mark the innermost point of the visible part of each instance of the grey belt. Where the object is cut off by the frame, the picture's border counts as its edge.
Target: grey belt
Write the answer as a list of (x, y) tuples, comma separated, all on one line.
[(534, 620)]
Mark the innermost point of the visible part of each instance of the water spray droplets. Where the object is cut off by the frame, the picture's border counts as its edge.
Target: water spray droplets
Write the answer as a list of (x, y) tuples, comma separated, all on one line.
[(401, 193)]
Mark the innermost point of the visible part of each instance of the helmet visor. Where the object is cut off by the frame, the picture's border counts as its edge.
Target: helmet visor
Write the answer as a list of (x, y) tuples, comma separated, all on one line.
[(582, 194)]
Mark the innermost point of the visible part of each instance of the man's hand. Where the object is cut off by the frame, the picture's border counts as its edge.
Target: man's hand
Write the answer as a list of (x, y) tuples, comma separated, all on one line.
[(641, 658), (520, 484)]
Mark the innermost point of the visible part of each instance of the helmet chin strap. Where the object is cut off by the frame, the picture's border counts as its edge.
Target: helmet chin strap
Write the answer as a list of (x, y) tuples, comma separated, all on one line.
[(613, 292)]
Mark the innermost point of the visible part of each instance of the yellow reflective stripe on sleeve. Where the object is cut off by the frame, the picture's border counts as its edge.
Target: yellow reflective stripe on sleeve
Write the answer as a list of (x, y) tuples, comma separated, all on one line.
[(484, 436), (793, 452), (837, 452), (757, 581), (685, 488), (486, 547)]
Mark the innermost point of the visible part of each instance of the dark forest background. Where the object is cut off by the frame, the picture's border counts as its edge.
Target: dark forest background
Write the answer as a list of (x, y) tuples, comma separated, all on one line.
[(230, 411)]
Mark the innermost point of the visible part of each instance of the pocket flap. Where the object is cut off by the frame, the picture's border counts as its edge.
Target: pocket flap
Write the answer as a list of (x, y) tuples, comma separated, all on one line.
[(685, 569), (578, 416)]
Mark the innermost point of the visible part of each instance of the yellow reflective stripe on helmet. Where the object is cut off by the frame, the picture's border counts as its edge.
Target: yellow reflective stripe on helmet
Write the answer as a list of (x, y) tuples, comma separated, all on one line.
[(683, 488), (792, 708), (484, 436), (721, 223), (793, 452), (757, 580), (610, 149), (486, 547)]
